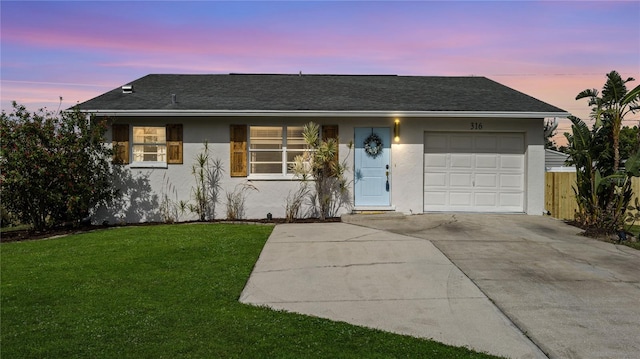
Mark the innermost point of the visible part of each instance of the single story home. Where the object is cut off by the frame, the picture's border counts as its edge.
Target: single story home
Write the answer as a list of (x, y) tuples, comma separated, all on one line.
[(420, 143)]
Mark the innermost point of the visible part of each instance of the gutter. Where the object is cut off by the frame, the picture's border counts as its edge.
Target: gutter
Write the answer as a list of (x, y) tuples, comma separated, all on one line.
[(314, 113)]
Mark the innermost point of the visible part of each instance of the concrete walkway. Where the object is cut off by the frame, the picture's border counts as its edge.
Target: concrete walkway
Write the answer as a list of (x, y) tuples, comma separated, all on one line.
[(383, 280)]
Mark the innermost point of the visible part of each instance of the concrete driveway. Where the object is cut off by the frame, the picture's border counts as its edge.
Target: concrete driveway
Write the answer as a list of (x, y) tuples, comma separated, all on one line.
[(574, 297), (381, 280)]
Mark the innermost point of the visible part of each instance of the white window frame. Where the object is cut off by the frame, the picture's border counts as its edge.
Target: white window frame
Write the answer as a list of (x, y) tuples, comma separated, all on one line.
[(148, 164), (283, 158)]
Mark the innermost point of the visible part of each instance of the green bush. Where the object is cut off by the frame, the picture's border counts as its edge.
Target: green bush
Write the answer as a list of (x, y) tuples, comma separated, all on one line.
[(55, 167)]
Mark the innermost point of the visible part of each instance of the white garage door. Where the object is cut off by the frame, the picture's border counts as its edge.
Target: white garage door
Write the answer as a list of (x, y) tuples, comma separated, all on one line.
[(475, 172)]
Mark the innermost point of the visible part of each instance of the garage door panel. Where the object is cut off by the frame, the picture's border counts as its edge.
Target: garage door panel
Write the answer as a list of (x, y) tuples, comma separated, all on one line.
[(435, 161), (488, 162), (435, 179), (461, 143), (512, 181), (513, 200), (461, 180), (511, 144), (486, 180), (512, 162), (482, 199), (481, 172), (461, 161), (435, 199), (460, 198), (486, 144), (434, 143)]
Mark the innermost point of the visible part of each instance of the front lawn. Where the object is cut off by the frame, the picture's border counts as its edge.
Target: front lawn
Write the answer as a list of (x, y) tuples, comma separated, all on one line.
[(164, 292)]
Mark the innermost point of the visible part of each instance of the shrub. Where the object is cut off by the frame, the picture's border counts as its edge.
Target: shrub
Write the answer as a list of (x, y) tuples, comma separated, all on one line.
[(321, 165), (294, 201), (237, 199), (208, 176), (56, 167)]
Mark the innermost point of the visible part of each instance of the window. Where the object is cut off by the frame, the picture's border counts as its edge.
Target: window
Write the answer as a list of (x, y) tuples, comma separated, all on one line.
[(149, 144), (268, 151), (272, 149), (152, 146)]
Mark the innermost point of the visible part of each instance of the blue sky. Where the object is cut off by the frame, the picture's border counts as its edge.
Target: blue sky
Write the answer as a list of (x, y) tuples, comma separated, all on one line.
[(548, 49)]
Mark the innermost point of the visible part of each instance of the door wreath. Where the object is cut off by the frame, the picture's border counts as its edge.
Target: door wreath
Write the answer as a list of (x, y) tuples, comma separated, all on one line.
[(373, 145)]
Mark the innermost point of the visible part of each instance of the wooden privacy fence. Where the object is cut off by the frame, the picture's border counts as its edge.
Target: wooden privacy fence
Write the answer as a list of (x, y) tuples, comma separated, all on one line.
[(559, 198)]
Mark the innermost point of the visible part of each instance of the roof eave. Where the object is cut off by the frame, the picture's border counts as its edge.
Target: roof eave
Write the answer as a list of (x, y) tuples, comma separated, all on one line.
[(307, 113)]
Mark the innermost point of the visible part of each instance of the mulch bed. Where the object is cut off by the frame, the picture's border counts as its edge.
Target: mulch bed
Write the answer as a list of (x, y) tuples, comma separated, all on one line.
[(602, 235), (28, 234)]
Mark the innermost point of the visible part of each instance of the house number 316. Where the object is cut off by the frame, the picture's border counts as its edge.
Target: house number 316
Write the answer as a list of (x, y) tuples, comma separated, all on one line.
[(476, 125)]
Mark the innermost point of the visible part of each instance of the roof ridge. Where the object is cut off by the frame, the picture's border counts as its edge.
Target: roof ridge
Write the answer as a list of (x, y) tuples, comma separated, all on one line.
[(304, 74)]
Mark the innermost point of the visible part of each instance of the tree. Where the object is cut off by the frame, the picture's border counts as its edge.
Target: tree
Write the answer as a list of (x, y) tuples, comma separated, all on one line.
[(549, 132), (611, 107), (627, 146), (629, 141), (320, 164), (55, 167), (602, 190)]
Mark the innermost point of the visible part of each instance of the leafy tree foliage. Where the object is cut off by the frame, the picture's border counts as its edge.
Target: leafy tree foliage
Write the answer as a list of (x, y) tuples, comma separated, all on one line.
[(549, 142), (628, 145), (55, 167), (629, 142), (603, 191), (610, 107)]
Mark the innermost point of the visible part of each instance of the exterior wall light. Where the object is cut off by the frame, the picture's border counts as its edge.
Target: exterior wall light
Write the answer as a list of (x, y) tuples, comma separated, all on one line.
[(396, 130)]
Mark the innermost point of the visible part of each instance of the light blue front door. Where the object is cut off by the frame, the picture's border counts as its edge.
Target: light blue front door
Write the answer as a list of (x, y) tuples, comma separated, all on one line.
[(372, 154)]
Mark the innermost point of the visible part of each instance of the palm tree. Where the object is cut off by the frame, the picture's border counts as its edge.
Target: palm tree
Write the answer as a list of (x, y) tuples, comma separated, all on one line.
[(614, 103)]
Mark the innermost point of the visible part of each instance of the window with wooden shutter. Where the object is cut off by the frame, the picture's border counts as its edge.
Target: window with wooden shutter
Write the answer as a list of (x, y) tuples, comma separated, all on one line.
[(331, 131), (149, 145), (120, 141), (238, 140), (174, 144)]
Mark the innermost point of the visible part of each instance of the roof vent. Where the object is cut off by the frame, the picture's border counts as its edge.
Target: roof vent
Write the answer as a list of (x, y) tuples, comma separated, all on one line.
[(174, 99), (127, 89)]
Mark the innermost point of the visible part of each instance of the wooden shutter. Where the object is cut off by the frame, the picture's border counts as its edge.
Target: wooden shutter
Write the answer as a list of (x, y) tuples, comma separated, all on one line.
[(120, 141), (174, 144), (331, 131), (238, 140)]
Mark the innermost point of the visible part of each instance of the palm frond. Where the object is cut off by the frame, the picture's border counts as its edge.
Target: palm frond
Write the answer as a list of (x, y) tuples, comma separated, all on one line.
[(632, 96), (614, 89), (588, 93)]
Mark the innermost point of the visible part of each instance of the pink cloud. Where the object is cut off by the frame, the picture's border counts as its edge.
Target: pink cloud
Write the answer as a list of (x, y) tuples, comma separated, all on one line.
[(533, 47), (40, 95)]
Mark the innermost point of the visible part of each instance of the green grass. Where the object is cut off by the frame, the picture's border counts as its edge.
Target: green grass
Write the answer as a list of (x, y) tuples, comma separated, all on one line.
[(165, 292), (636, 232), (19, 227)]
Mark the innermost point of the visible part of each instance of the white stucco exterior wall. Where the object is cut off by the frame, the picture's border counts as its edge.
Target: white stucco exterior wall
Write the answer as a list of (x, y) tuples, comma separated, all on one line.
[(144, 188), (408, 157)]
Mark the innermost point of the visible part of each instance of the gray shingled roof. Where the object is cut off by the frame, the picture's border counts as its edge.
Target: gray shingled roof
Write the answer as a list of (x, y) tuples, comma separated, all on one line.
[(251, 92)]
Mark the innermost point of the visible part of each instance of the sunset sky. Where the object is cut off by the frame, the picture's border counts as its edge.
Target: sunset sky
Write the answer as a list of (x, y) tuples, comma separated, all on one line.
[(550, 50)]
